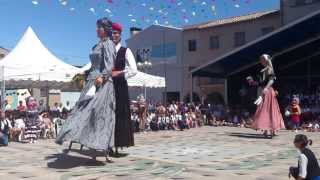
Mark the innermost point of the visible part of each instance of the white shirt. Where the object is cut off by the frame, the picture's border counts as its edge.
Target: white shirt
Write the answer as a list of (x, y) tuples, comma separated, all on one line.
[(303, 162), (8, 107), (131, 67), (5, 122), (19, 123), (67, 107)]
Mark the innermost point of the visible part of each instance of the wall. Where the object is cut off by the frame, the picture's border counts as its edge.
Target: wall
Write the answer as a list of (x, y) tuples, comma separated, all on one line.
[(292, 12), (154, 38)]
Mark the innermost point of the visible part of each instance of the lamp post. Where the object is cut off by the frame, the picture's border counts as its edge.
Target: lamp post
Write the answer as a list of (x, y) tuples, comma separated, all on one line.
[(144, 64)]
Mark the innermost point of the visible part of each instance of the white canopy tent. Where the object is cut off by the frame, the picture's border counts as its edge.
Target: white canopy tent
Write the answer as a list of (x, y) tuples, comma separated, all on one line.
[(31, 61), (140, 79), (146, 80), (31, 64)]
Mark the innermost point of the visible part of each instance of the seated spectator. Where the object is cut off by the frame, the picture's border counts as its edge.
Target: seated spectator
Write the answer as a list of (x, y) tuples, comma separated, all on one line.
[(17, 133), (47, 126), (5, 126), (154, 124)]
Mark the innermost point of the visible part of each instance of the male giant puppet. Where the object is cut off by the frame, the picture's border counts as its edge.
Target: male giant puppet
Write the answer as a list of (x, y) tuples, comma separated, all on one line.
[(124, 67)]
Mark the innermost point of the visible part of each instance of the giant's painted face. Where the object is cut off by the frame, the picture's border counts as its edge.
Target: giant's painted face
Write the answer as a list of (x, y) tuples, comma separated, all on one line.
[(31, 103)]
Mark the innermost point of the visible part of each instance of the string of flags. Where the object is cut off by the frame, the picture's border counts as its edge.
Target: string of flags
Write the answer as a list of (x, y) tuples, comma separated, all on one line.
[(146, 12)]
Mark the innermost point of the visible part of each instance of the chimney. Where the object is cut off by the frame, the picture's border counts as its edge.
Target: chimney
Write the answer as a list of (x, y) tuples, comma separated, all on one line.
[(134, 31)]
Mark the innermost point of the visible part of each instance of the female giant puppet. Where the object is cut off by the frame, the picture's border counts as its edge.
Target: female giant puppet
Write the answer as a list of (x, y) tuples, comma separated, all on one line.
[(92, 121), (267, 117)]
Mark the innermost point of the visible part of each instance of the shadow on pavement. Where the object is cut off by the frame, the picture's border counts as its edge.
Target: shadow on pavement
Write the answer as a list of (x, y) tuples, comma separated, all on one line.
[(65, 161), (248, 135), (119, 155)]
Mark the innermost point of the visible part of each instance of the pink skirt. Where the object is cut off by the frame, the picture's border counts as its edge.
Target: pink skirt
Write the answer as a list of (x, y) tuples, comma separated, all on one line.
[(268, 115)]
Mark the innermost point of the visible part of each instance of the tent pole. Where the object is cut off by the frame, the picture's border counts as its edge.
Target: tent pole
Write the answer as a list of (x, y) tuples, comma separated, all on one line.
[(191, 93), (47, 94), (145, 92), (309, 73), (3, 90), (226, 91)]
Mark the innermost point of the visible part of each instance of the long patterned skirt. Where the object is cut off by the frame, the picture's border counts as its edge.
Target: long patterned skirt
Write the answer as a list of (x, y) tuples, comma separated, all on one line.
[(32, 130), (268, 115), (92, 121)]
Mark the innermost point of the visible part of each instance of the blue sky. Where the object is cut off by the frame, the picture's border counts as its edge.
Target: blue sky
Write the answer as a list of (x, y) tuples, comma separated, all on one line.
[(67, 27)]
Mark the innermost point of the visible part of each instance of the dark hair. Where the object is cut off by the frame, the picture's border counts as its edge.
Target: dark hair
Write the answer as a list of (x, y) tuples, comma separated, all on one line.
[(303, 139), (106, 24)]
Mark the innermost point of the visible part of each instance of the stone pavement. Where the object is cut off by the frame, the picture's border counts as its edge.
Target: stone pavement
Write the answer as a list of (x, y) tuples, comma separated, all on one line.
[(203, 153)]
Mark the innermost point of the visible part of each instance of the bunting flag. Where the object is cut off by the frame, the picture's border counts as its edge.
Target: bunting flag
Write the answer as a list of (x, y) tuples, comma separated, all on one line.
[(147, 12)]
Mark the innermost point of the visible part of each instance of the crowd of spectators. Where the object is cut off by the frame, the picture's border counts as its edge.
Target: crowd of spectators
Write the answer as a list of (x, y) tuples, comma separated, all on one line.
[(149, 116), (13, 121)]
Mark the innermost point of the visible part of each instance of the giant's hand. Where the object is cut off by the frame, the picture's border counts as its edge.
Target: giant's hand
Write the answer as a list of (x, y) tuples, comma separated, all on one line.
[(116, 73), (99, 81), (258, 101)]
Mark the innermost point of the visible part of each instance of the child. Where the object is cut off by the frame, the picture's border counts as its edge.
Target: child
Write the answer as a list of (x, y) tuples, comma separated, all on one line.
[(295, 113), (19, 126), (32, 120), (308, 167)]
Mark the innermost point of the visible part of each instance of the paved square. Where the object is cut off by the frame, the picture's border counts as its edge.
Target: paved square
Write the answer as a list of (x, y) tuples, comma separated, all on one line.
[(203, 153)]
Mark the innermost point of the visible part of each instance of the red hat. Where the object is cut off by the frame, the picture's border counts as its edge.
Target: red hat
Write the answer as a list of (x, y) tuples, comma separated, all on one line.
[(117, 27)]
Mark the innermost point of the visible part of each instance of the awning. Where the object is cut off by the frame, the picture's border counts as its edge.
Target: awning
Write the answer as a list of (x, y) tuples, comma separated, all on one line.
[(293, 35)]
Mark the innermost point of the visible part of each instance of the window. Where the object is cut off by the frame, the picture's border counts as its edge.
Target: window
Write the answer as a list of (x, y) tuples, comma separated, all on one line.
[(43, 92), (192, 45), (214, 42), (239, 39), (266, 30)]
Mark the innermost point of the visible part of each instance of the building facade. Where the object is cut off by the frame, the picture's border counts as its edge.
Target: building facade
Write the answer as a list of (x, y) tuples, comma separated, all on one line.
[(205, 42), (162, 46)]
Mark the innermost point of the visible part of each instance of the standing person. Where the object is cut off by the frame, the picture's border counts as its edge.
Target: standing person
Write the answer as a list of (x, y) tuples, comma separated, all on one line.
[(21, 107), (55, 111), (124, 68), (252, 92), (142, 113), (308, 166), (92, 121), (295, 113), (60, 108), (32, 120), (267, 117), (67, 107), (41, 107), (7, 106)]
